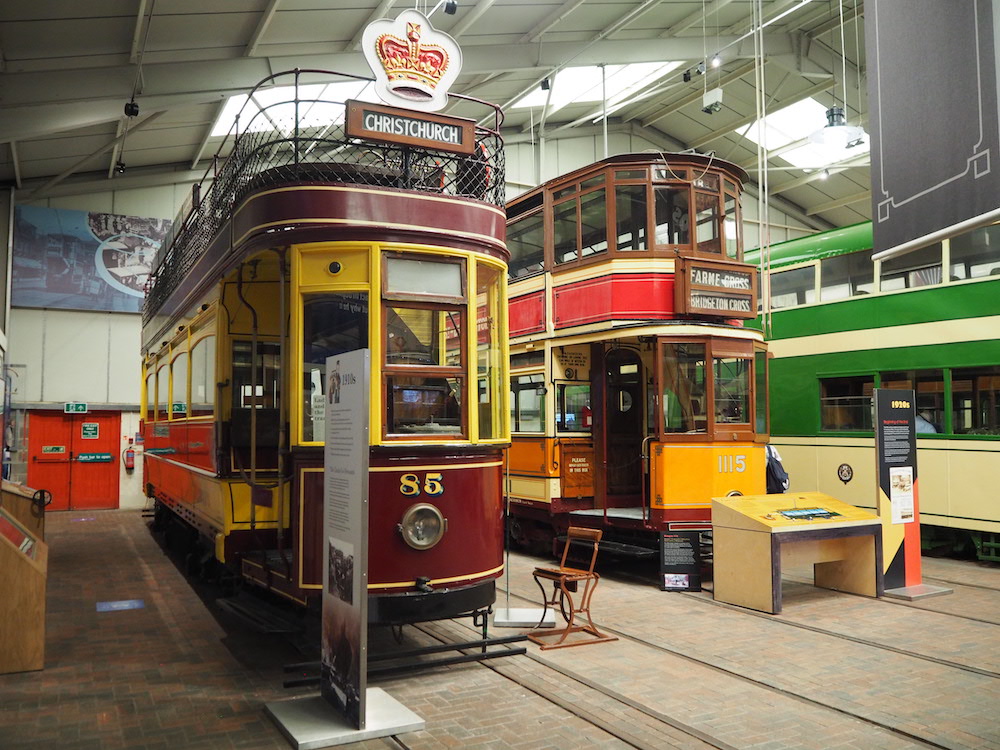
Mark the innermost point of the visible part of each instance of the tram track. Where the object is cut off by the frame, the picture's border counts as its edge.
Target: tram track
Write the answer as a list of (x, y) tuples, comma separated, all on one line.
[(580, 709)]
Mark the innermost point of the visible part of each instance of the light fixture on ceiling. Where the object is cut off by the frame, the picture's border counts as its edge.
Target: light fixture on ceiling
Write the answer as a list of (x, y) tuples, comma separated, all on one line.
[(120, 167), (837, 133), (711, 102), (716, 60), (546, 84)]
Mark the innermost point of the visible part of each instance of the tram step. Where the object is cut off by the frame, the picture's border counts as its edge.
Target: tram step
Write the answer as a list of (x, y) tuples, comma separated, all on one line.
[(629, 550)]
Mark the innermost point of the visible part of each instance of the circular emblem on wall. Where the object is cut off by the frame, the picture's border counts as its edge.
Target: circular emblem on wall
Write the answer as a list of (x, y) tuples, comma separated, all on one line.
[(125, 260), (845, 473)]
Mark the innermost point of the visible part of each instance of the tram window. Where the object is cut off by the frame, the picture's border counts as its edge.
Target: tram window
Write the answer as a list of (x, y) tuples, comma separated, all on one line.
[(794, 287), (179, 392), (420, 342), (573, 412), (630, 174), (150, 395), (258, 391), (760, 391), (423, 336), (162, 391), (409, 276), (630, 217), (976, 254), (564, 231), (732, 390), (975, 399), (919, 268), (525, 241), (846, 402), (928, 386), (527, 359), (707, 222), (684, 387), (672, 215), (488, 313), (527, 403), (730, 225), (424, 405), (844, 276), (594, 223), (203, 377), (331, 324)]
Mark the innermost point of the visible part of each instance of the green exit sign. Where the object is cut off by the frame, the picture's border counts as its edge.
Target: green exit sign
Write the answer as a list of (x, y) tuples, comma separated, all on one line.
[(75, 407)]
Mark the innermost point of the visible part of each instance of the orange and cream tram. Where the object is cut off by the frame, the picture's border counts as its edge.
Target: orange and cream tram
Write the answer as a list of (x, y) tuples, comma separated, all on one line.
[(637, 394), (309, 238)]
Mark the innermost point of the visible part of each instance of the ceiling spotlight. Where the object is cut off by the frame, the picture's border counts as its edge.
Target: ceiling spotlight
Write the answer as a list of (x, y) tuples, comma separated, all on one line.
[(687, 76), (716, 61), (824, 174), (450, 7), (131, 109), (700, 70), (120, 167), (546, 84)]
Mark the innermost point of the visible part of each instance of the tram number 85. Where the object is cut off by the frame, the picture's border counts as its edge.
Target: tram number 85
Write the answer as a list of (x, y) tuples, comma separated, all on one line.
[(411, 485), (730, 464)]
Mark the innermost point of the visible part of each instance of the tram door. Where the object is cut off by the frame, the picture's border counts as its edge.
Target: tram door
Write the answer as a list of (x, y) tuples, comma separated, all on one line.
[(75, 457), (624, 405)]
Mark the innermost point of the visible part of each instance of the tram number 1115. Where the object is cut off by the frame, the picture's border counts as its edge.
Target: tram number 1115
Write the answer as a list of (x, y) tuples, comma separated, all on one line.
[(730, 464)]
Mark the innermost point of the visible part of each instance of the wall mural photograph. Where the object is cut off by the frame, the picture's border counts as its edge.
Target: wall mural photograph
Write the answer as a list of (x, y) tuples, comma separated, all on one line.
[(79, 260)]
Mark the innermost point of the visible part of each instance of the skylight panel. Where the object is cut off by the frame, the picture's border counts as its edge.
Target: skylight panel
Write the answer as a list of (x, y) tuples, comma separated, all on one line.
[(320, 106), (584, 85)]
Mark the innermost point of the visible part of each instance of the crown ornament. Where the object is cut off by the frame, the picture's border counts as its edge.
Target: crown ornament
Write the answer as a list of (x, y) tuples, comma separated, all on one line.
[(414, 65)]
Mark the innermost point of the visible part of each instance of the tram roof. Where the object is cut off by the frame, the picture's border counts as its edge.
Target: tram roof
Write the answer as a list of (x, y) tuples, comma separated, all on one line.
[(840, 241)]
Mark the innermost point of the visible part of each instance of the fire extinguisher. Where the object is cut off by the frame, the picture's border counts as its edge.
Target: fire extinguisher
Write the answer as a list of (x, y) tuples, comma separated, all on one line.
[(128, 456)]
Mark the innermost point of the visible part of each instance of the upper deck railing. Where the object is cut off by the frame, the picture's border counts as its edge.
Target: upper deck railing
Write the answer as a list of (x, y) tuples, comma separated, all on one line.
[(292, 129)]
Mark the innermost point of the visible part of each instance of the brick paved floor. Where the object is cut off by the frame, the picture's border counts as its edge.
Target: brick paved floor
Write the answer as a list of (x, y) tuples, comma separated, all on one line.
[(832, 671)]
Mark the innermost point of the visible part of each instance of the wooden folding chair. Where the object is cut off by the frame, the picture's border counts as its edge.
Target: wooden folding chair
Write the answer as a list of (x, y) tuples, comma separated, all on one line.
[(566, 582)]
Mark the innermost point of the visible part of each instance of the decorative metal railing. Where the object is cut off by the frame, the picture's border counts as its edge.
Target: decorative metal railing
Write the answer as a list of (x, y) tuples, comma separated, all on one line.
[(294, 132)]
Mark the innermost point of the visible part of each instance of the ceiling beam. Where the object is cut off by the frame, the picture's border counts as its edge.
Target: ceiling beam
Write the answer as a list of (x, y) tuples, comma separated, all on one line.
[(693, 19), (864, 195), (469, 17), (106, 147), (265, 20), (742, 123), (549, 21), (140, 21), (670, 109), (380, 12), (17, 164)]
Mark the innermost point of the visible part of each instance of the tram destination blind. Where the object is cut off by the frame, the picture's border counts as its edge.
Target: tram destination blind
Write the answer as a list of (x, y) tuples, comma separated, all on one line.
[(680, 561)]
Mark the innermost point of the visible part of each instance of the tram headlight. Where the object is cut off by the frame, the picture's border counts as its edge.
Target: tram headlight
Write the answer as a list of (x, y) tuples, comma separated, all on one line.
[(422, 526)]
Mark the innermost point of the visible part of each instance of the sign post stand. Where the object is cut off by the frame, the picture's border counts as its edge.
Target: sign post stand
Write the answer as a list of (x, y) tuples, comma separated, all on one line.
[(897, 496), (346, 710)]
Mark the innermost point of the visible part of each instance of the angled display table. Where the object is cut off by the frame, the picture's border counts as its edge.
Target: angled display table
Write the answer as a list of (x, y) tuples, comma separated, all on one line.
[(23, 570), (755, 535)]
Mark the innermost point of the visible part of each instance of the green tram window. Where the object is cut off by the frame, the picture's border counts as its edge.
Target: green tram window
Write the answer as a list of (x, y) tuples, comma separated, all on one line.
[(760, 394), (975, 395), (332, 323), (846, 403)]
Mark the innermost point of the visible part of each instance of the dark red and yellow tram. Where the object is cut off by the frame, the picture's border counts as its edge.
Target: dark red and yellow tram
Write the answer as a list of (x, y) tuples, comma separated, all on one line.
[(303, 242)]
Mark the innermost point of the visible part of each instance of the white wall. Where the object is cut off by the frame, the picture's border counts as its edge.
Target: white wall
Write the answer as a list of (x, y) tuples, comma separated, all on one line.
[(94, 357)]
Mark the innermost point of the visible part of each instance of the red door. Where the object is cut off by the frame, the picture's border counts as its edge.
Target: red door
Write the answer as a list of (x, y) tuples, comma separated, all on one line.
[(75, 457)]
